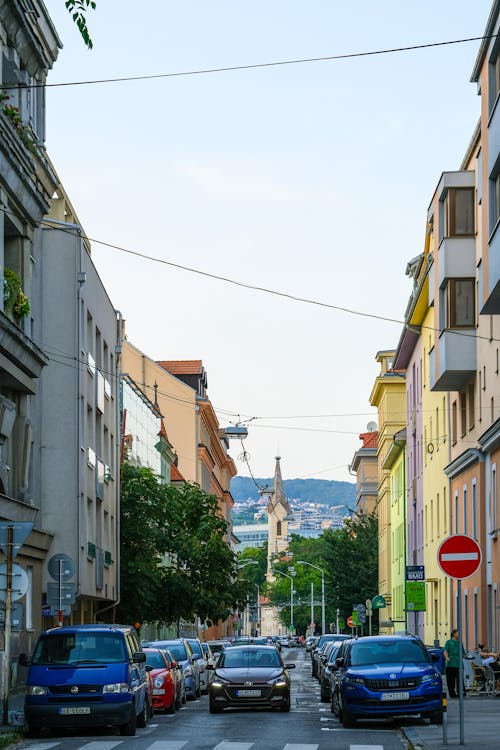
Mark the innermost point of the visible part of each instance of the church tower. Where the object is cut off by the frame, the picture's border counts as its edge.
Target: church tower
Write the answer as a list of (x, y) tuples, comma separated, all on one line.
[(278, 511)]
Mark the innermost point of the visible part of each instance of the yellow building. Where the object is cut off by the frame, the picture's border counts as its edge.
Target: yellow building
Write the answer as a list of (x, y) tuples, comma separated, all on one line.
[(388, 396)]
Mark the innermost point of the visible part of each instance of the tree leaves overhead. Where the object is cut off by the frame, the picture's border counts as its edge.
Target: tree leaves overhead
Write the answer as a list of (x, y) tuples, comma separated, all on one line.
[(175, 560), (77, 9)]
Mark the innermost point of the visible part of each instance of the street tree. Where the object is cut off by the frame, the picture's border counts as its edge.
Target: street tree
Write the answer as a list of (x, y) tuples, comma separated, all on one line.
[(78, 10), (175, 559)]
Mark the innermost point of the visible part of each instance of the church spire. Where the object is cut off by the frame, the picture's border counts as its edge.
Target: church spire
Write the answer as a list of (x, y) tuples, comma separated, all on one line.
[(278, 497)]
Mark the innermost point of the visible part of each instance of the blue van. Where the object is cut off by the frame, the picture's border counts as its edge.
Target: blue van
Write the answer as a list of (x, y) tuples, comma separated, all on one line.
[(86, 675)]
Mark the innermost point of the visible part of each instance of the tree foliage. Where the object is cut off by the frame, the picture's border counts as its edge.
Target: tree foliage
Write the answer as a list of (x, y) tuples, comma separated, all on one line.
[(78, 9), (175, 560), (349, 558)]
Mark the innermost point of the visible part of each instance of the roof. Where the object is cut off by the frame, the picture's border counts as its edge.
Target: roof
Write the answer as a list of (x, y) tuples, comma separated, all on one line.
[(175, 474), (369, 439), (182, 366)]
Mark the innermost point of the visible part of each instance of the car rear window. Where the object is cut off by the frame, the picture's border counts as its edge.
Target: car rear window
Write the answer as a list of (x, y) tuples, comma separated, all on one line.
[(178, 650), (387, 652)]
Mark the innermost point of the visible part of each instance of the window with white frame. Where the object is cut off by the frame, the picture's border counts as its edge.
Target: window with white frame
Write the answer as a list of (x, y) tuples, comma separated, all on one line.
[(493, 499), (474, 509), (456, 511), (465, 508)]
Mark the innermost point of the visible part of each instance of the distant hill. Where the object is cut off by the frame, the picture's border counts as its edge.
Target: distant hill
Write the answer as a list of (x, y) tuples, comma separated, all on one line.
[(325, 491)]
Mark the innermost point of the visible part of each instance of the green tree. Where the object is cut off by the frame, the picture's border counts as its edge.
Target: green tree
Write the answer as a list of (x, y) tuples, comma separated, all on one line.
[(351, 555), (175, 559), (78, 10)]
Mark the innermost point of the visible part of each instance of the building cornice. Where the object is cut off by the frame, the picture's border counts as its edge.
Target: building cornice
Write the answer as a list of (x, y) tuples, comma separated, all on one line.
[(462, 462), (490, 439)]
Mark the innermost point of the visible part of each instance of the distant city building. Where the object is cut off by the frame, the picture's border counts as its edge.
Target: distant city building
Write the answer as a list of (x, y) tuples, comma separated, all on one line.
[(251, 535)]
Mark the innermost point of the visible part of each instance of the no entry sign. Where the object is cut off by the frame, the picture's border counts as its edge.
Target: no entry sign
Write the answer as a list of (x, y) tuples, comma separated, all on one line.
[(459, 556)]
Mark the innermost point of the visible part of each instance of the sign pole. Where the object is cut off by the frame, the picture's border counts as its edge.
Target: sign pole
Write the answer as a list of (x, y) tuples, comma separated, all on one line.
[(59, 613), (7, 635), (460, 661)]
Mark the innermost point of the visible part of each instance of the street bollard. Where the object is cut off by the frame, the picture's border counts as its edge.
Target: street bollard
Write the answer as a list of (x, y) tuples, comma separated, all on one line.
[(444, 704)]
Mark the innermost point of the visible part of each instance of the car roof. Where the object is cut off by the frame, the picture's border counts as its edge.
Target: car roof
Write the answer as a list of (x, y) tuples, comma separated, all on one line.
[(67, 629)]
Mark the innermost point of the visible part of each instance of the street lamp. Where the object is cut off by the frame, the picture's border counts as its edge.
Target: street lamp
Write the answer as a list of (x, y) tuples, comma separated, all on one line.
[(323, 615), (275, 570), (258, 607), (242, 564)]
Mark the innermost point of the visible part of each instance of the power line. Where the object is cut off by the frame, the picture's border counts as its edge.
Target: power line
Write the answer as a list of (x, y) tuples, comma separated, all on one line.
[(253, 66), (265, 290)]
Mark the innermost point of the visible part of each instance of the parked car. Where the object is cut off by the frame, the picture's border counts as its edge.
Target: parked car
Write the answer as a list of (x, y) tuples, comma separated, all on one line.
[(73, 677), (164, 680), (250, 677), (315, 653), (386, 676), (217, 647), (311, 642), (327, 669), (183, 655), (195, 645)]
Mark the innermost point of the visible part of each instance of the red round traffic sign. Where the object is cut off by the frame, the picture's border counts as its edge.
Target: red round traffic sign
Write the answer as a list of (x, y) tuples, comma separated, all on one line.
[(459, 556), (350, 621)]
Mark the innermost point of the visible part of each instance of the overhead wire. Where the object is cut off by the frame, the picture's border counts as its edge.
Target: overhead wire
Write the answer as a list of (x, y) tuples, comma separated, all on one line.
[(253, 66)]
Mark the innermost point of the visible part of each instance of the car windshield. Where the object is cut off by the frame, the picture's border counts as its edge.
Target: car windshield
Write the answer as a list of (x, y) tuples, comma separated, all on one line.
[(387, 652), (79, 648), (155, 660), (237, 658)]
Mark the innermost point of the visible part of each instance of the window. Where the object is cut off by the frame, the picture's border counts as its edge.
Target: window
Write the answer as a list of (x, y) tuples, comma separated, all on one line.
[(456, 511), (465, 508), (463, 414), (493, 498), (454, 423), (474, 509), (278, 528), (459, 212), (472, 405), (460, 303)]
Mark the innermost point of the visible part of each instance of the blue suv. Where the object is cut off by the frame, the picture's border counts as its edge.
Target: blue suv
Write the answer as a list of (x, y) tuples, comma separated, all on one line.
[(386, 676)]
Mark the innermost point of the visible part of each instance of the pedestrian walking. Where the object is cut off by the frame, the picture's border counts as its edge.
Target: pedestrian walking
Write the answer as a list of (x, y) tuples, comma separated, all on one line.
[(453, 652)]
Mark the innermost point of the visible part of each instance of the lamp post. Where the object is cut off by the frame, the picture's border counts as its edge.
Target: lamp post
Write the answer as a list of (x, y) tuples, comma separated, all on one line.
[(258, 609), (323, 613), (287, 575), (243, 564)]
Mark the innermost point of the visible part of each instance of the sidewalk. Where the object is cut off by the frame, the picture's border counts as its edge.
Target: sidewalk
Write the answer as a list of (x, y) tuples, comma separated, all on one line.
[(481, 726)]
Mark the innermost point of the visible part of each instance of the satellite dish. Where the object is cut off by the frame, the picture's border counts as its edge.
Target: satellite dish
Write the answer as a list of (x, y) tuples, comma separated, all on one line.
[(371, 426)]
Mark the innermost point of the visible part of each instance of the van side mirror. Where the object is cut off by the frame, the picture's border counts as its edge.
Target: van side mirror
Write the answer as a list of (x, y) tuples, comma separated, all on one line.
[(23, 660), (139, 657)]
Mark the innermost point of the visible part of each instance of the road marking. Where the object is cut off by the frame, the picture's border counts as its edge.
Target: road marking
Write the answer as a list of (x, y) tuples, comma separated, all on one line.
[(101, 745), (43, 745), (293, 746), (366, 747), (167, 745), (233, 745)]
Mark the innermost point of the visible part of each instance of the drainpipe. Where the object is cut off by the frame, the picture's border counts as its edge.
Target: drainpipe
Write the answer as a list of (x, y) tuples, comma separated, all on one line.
[(402, 446)]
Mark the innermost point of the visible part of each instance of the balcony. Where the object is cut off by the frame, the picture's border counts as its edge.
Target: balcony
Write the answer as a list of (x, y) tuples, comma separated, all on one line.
[(491, 280), (456, 259), (453, 360)]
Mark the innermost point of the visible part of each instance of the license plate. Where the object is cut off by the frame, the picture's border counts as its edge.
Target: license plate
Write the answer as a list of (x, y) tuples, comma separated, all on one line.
[(158, 691), (248, 693), (72, 710), (395, 696)]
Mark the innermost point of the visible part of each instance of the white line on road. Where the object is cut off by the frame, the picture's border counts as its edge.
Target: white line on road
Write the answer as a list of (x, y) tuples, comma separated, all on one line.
[(101, 745), (293, 746), (225, 745), (167, 745), (43, 745), (366, 747)]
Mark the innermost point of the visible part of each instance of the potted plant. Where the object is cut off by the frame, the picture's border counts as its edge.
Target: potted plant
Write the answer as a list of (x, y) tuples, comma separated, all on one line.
[(14, 299)]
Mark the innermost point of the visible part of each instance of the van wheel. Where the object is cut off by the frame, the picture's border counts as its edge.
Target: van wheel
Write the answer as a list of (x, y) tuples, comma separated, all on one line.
[(142, 718), (128, 729)]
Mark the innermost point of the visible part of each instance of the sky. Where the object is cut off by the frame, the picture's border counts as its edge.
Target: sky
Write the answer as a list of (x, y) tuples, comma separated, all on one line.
[(309, 179)]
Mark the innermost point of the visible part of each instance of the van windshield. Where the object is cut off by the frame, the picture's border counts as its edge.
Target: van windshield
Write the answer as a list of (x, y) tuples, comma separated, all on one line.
[(79, 648)]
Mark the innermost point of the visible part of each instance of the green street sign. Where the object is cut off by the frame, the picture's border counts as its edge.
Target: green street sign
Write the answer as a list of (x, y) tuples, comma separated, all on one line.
[(378, 602), (341, 622), (354, 616), (415, 596)]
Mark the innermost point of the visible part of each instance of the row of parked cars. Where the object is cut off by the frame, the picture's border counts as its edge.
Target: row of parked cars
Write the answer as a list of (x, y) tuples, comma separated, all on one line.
[(378, 676), (91, 675)]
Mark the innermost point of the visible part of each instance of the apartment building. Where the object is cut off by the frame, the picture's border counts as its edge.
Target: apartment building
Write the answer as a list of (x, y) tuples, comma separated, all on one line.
[(389, 397), (29, 47), (79, 416)]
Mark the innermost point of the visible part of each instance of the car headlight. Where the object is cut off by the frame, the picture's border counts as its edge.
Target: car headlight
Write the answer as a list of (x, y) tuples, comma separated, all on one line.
[(158, 681), (218, 682), (36, 690), (116, 687), (429, 678), (356, 680), (278, 681)]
